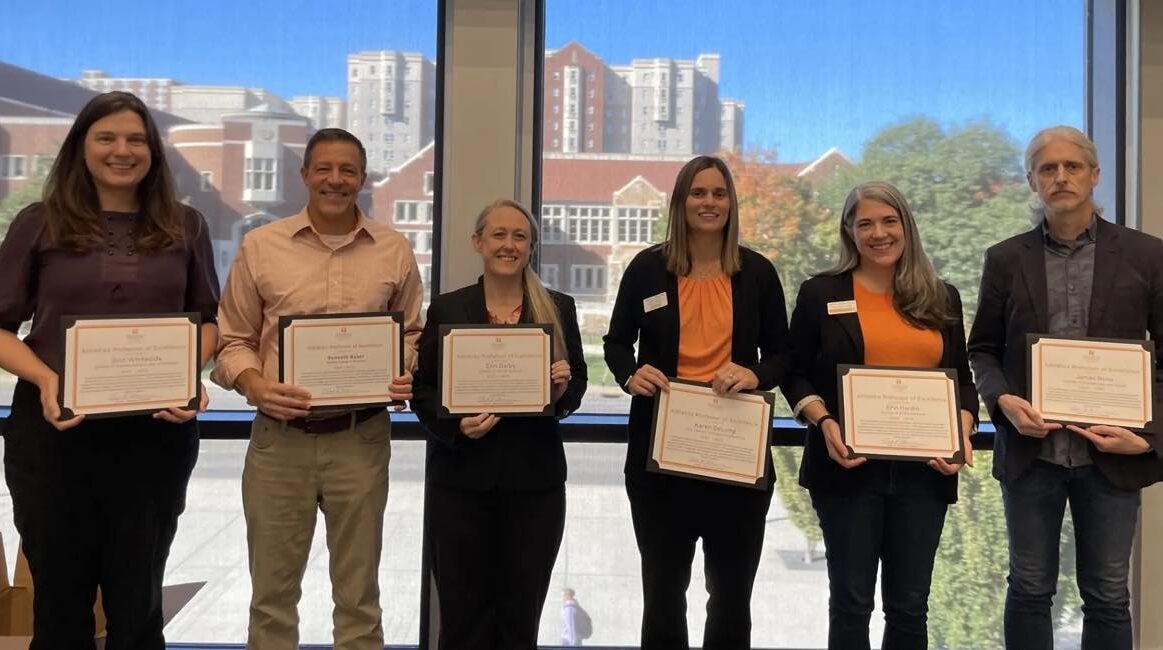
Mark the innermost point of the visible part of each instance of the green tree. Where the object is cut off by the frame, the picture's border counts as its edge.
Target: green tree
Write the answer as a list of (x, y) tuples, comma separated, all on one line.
[(18, 199), (965, 185)]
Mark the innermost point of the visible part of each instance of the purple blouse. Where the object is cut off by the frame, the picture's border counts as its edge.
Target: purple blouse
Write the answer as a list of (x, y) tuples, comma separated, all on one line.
[(43, 282)]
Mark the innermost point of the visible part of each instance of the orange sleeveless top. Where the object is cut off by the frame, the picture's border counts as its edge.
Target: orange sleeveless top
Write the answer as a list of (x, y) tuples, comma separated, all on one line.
[(704, 331), (889, 340)]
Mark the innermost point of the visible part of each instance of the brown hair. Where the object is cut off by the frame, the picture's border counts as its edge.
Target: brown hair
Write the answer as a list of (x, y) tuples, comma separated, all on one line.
[(676, 247), (73, 208)]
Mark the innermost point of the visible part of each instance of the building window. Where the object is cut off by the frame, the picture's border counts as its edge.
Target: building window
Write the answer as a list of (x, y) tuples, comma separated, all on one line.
[(206, 181), (587, 277), (429, 182), (588, 224), (548, 275), (421, 241), (553, 223), (636, 225), (260, 174), (12, 167), (426, 277), (354, 72), (413, 212)]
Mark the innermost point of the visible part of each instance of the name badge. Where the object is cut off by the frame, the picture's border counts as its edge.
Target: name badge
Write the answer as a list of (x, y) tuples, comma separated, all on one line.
[(654, 302), (842, 307)]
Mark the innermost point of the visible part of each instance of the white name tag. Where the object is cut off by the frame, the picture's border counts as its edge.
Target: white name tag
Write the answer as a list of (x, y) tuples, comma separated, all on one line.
[(842, 307), (654, 302)]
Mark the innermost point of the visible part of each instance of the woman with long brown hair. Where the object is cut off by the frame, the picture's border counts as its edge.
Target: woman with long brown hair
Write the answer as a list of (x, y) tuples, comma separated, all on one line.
[(881, 304), (97, 502), (699, 307)]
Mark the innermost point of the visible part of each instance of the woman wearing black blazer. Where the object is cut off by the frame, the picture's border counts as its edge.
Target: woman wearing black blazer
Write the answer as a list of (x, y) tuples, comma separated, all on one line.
[(698, 302), (496, 486), (882, 304)]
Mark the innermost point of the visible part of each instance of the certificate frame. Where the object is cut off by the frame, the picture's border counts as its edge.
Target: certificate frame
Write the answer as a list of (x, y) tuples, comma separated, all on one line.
[(851, 432), (72, 328), (764, 400), (543, 405), (1036, 345), (289, 369)]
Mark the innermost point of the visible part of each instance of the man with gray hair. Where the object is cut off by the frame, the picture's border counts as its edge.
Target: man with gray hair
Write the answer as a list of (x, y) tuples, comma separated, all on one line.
[(1073, 275)]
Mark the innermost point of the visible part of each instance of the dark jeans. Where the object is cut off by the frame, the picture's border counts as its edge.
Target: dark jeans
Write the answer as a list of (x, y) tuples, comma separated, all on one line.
[(669, 516), (96, 505), (492, 558), (1104, 527), (896, 525)]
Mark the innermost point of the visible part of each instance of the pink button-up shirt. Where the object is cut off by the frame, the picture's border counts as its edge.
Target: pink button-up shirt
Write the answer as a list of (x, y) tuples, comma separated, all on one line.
[(284, 268)]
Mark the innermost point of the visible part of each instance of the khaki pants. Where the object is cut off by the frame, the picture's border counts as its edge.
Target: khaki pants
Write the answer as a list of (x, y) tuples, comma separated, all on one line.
[(288, 477)]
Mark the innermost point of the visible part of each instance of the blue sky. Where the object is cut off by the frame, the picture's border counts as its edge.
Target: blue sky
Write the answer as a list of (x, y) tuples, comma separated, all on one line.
[(813, 74)]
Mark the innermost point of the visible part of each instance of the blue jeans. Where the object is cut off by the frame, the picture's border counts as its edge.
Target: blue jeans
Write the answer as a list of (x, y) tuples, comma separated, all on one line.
[(891, 524), (1104, 526)]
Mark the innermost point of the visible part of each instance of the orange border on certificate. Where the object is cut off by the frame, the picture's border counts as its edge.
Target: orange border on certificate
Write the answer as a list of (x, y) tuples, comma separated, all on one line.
[(289, 341), (1145, 365), (759, 462), (75, 330), (450, 342), (955, 425)]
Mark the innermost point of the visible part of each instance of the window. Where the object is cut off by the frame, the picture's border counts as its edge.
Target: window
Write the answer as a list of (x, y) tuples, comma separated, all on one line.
[(553, 223), (548, 275), (413, 212), (429, 180), (12, 167), (588, 225), (260, 174), (206, 181), (420, 240), (585, 278), (636, 225)]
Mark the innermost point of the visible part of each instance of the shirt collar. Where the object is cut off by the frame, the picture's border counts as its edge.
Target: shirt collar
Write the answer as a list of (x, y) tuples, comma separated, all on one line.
[(301, 222), (1089, 234)]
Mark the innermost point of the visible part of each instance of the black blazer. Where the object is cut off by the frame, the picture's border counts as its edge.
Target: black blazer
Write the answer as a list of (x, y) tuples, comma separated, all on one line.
[(519, 453), (819, 342), (758, 333), (1126, 302)]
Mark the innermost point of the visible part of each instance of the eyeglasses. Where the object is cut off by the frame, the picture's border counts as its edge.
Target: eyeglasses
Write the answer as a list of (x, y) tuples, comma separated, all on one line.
[(1049, 171)]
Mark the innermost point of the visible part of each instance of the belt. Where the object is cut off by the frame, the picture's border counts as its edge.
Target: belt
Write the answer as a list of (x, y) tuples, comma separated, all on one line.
[(335, 423)]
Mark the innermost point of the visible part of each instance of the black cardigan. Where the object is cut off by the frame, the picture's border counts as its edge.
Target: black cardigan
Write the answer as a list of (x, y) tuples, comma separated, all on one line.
[(519, 453), (819, 342), (758, 333)]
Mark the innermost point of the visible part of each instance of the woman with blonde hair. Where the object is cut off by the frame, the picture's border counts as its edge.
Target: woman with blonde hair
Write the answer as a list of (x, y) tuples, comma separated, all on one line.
[(882, 304), (496, 485), (704, 308)]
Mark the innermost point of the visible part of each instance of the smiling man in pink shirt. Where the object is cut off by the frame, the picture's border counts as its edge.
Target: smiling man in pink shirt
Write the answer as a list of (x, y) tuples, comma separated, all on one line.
[(329, 258)]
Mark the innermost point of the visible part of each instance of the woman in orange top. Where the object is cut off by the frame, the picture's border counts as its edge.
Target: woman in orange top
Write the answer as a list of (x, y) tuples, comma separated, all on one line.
[(882, 304), (699, 306)]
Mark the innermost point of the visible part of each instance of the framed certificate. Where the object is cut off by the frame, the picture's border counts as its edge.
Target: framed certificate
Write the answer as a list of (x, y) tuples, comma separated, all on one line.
[(900, 413), (342, 359), (721, 438), (498, 369), (130, 364), (1092, 381)]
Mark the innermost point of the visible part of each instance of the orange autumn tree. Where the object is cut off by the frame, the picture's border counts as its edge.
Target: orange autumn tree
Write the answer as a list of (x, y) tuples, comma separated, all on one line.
[(779, 217)]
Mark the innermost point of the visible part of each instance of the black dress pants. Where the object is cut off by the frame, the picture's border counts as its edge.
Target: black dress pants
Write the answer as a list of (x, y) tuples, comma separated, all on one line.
[(670, 515), (96, 505), (492, 558)]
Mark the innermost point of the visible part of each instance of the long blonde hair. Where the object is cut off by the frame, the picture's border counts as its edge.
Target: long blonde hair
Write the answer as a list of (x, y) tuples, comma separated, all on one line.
[(541, 307), (676, 247), (918, 295)]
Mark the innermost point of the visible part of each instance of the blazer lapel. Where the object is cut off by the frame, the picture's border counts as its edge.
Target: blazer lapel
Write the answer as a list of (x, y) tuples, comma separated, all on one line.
[(842, 292), (475, 308), (1034, 273), (1106, 262)]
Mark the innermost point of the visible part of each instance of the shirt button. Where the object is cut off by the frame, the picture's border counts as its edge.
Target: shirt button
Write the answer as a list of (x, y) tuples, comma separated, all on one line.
[(110, 251)]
